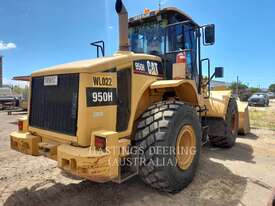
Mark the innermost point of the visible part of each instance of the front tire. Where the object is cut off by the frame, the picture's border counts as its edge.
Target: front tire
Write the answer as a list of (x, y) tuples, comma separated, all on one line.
[(169, 124), (230, 127)]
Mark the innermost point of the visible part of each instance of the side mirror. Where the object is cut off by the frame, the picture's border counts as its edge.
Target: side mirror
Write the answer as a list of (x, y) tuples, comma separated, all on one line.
[(209, 35), (219, 72)]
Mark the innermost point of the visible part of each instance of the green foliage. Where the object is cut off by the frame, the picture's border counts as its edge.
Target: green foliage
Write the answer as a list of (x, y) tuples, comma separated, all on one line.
[(20, 91), (255, 90), (244, 90), (241, 86), (244, 94), (272, 87)]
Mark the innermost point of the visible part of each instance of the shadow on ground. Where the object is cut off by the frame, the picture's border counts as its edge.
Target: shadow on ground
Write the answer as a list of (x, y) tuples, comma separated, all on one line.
[(251, 136), (14, 122), (240, 152), (213, 185)]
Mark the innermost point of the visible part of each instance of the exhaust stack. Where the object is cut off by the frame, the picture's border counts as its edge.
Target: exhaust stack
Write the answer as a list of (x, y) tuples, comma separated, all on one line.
[(123, 26), (1, 71)]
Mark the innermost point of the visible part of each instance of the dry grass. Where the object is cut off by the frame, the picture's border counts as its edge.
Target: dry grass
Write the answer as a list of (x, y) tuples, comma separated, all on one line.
[(263, 117)]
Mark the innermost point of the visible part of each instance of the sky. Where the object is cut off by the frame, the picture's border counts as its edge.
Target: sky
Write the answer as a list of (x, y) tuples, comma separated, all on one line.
[(35, 34)]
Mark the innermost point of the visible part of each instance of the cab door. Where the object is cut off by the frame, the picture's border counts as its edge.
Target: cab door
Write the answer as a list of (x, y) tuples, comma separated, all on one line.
[(190, 44), (182, 37)]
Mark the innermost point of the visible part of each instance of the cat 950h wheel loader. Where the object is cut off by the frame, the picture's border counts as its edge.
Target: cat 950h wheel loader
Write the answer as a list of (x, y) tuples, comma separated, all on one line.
[(146, 110)]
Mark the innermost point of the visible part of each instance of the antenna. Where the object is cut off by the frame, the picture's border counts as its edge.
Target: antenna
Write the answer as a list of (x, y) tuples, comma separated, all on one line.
[(159, 4)]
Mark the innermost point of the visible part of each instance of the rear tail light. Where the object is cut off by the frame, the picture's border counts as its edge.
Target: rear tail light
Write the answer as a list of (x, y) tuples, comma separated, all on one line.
[(20, 125), (100, 143)]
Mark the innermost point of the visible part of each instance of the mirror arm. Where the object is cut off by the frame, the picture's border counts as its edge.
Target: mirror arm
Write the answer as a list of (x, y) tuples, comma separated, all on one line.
[(209, 80), (208, 69), (99, 45), (209, 86)]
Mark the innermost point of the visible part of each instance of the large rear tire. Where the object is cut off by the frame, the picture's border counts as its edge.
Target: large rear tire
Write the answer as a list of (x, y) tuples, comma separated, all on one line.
[(229, 126), (166, 125)]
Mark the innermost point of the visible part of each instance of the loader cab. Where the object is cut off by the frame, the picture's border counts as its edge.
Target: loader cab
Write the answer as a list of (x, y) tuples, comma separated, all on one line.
[(166, 33)]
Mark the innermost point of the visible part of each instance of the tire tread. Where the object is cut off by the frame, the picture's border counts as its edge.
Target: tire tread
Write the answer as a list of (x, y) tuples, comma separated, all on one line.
[(153, 133)]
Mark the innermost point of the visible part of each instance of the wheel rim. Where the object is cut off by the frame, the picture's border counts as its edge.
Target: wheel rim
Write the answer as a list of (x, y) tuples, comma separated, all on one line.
[(234, 123), (185, 148)]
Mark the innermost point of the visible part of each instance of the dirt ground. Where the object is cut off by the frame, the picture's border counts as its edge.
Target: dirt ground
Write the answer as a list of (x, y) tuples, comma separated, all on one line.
[(243, 175), (263, 117)]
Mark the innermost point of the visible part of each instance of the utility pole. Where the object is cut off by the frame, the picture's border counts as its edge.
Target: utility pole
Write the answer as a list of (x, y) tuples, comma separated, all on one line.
[(237, 87), (1, 71)]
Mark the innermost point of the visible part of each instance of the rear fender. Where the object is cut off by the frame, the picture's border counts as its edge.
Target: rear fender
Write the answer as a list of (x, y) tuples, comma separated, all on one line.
[(185, 90), (154, 91)]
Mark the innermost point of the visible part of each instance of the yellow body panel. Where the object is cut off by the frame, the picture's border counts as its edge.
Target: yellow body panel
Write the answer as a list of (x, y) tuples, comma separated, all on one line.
[(217, 103), (244, 123), (92, 119), (100, 166), (52, 136), (166, 84), (25, 143), (119, 59), (185, 89), (84, 163)]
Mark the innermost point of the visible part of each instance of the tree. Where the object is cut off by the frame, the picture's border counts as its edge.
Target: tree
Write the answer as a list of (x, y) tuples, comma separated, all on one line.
[(255, 89), (17, 89), (272, 87), (20, 91), (240, 86)]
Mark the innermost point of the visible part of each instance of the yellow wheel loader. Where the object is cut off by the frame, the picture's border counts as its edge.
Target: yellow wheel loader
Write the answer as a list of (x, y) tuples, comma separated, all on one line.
[(147, 110)]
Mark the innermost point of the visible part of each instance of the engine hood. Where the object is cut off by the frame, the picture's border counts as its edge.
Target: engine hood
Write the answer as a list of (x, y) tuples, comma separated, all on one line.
[(94, 65)]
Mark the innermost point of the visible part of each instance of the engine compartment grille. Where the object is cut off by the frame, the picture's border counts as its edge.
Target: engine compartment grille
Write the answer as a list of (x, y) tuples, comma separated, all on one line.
[(55, 108)]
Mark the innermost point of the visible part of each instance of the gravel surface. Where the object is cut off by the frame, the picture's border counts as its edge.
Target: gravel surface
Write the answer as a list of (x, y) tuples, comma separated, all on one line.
[(243, 175)]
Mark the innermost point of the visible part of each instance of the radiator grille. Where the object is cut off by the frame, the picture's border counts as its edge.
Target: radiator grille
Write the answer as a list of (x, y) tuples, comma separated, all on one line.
[(54, 108)]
